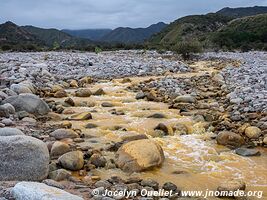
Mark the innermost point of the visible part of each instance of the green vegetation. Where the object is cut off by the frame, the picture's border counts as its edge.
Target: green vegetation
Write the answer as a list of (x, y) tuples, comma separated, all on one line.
[(245, 34), (186, 48)]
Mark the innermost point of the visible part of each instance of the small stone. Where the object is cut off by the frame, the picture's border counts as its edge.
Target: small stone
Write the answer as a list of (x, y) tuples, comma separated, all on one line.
[(230, 139), (29, 120), (157, 115), (150, 183), (10, 132), (185, 99), (73, 160), (66, 125), (100, 91), (140, 95), (103, 183), (169, 186), (60, 94), (81, 116), (253, 132), (90, 126), (64, 133), (232, 185), (98, 160), (107, 104), (7, 122), (59, 175), (84, 92), (59, 148), (69, 101), (74, 84)]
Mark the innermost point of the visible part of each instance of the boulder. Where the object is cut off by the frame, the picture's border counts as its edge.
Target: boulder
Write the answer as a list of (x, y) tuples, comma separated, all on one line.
[(253, 132), (9, 108), (232, 185), (59, 148), (135, 156), (59, 175), (23, 158), (29, 103), (40, 191), (185, 99), (60, 94), (230, 139), (100, 91), (74, 84), (83, 93), (60, 134), (10, 132), (73, 160)]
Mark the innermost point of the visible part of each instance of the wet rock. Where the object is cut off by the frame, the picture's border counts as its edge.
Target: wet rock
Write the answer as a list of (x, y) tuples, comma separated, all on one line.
[(59, 174), (84, 92), (169, 187), (232, 185), (81, 116), (34, 191), (69, 101), (59, 148), (140, 95), (164, 128), (98, 160), (247, 152), (131, 136), (29, 160), (60, 134), (10, 132), (157, 115), (180, 129), (73, 160), (230, 139), (107, 104), (29, 103), (134, 156), (253, 132), (185, 99), (90, 126), (60, 94), (74, 84), (100, 91), (150, 183)]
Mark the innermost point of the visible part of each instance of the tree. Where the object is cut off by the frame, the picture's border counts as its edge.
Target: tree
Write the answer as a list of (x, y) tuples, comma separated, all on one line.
[(186, 48)]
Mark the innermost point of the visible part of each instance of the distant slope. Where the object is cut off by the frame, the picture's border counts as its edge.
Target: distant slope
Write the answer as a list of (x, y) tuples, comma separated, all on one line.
[(52, 36), (92, 34), (14, 36), (243, 12), (188, 28), (133, 35), (249, 32)]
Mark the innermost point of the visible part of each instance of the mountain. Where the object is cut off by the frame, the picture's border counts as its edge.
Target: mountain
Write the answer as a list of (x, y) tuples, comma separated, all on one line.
[(193, 27), (242, 12), (92, 34), (50, 37), (245, 33), (132, 35)]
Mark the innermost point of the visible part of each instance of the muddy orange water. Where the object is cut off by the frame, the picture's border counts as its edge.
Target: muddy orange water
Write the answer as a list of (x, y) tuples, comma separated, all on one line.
[(193, 162)]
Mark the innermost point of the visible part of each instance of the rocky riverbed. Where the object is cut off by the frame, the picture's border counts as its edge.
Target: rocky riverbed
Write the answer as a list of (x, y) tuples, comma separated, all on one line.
[(80, 123)]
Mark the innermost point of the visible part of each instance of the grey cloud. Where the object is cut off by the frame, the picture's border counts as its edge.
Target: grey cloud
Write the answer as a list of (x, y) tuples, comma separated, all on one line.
[(77, 14)]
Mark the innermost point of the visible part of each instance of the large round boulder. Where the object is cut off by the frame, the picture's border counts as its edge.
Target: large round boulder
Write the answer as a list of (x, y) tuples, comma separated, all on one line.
[(139, 155), (253, 132), (230, 139), (73, 160), (29, 103), (20, 88), (23, 158)]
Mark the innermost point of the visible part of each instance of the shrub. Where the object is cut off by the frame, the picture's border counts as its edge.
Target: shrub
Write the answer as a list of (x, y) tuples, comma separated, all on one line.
[(186, 48), (98, 50)]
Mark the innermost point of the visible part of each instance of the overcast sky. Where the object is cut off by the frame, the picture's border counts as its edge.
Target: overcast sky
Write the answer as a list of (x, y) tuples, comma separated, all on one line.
[(81, 14)]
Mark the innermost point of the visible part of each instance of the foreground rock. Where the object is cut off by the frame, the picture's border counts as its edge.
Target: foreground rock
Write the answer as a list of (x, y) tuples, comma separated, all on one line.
[(26, 158), (29, 103), (60, 134), (232, 185), (40, 191), (139, 155), (247, 152), (230, 139)]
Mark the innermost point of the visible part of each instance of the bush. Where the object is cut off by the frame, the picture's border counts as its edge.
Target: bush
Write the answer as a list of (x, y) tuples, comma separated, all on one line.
[(186, 48), (98, 50)]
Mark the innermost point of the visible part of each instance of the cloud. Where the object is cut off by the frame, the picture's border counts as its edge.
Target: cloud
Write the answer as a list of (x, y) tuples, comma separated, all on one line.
[(76, 14)]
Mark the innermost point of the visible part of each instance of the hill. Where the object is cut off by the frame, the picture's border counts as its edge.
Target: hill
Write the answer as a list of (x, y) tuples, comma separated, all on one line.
[(242, 12), (50, 37), (245, 33), (13, 36), (92, 34), (132, 35), (193, 27)]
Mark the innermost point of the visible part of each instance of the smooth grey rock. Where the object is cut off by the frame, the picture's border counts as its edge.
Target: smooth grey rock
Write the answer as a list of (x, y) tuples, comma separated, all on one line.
[(29, 103), (40, 191), (20, 88), (247, 152), (23, 158), (10, 132)]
